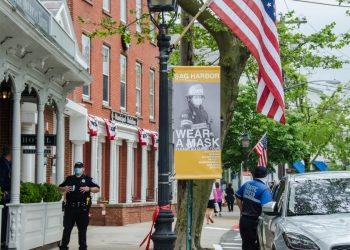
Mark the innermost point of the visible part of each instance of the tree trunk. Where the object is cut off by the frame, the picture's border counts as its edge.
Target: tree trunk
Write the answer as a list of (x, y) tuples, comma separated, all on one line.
[(233, 57)]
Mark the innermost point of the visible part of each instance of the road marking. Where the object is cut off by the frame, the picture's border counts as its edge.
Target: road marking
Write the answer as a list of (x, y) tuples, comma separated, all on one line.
[(217, 228), (226, 243)]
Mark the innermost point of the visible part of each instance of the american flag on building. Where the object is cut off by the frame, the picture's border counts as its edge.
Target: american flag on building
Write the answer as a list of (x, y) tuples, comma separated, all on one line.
[(254, 23), (261, 150)]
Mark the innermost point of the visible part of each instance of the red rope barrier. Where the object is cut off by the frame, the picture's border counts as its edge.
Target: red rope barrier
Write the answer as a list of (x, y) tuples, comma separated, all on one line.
[(154, 218)]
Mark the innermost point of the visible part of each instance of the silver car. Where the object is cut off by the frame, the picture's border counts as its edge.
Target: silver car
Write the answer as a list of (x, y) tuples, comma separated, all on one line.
[(308, 211)]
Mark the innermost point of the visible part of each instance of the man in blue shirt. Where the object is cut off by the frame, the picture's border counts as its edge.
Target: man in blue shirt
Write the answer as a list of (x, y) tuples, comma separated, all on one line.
[(250, 199)]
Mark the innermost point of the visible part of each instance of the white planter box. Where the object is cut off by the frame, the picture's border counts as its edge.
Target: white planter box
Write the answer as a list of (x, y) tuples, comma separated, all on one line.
[(34, 225)]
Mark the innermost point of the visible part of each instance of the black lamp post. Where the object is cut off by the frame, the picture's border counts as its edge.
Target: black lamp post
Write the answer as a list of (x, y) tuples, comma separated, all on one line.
[(245, 145), (163, 237)]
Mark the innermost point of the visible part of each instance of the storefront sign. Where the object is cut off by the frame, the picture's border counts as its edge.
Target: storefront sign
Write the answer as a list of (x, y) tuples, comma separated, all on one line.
[(123, 118), (196, 116), (34, 13), (33, 151), (30, 140)]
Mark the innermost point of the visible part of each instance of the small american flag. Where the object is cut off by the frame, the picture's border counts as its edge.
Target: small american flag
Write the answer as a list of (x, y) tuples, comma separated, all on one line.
[(254, 23), (261, 150)]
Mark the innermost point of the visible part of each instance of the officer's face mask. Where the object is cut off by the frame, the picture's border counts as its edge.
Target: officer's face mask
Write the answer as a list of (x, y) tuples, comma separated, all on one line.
[(78, 171), (197, 100)]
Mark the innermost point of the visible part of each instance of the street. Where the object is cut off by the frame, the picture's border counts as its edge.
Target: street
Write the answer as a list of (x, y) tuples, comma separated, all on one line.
[(220, 235)]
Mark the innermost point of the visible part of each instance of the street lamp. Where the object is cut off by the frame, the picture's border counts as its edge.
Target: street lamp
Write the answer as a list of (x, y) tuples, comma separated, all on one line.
[(163, 237), (245, 141)]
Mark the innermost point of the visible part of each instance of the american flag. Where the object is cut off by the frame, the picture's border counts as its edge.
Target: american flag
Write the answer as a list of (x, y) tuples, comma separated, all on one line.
[(254, 23), (261, 150)]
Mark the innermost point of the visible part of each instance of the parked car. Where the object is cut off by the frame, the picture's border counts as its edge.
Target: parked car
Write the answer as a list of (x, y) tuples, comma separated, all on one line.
[(308, 211)]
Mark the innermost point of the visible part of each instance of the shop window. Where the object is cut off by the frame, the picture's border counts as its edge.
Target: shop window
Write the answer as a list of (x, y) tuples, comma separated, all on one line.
[(138, 88), (151, 94), (106, 61), (123, 82)]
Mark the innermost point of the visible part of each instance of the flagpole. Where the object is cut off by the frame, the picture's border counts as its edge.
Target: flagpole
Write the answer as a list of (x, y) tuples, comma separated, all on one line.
[(201, 10), (257, 144)]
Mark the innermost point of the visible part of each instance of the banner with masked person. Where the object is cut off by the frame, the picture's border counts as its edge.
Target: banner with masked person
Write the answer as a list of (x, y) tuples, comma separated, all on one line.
[(196, 116)]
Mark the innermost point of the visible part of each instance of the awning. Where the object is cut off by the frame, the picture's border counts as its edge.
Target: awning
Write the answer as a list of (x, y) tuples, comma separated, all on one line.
[(299, 166), (320, 165)]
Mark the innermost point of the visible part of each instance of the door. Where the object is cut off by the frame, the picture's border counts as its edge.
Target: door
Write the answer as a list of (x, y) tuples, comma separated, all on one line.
[(269, 222)]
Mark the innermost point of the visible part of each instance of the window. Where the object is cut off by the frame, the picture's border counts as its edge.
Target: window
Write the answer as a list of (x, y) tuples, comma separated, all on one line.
[(138, 15), (151, 94), (122, 82), (106, 5), (85, 47), (105, 53), (123, 10), (138, 88)]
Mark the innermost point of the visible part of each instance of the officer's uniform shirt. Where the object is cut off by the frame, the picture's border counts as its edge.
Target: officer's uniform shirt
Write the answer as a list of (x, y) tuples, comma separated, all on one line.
[(254, 195), (77, 182)]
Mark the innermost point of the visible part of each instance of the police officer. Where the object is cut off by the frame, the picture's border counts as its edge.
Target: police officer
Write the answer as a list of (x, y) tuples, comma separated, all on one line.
[(250, 199), (195, 114), (78, 189)]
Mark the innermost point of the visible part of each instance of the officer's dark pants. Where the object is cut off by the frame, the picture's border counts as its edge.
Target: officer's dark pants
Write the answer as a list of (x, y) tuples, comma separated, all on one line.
[(72, 216), (248, 229)]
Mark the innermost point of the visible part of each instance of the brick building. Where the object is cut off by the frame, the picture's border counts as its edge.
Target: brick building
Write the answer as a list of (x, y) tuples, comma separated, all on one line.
[(124, 91)]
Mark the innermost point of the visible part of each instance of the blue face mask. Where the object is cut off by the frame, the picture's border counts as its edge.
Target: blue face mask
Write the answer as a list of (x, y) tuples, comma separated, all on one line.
[(78, 171)]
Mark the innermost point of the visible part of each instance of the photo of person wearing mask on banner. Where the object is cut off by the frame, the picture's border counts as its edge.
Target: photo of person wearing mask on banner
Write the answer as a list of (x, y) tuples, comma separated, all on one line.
[(195, 126)]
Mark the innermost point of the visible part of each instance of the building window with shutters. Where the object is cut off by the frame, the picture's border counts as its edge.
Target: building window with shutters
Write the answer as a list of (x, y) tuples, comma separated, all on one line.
[(106, 61), (122, 82), (138, 88), (86, 48), (151, 94)]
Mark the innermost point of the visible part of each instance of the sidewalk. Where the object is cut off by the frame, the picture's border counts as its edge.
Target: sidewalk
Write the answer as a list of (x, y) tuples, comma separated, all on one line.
[(130, 236)]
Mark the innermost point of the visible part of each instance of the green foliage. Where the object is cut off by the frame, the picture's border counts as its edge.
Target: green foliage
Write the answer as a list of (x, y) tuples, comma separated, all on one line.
[(51, 193), (31, 192), (1, 196), (35, 193)]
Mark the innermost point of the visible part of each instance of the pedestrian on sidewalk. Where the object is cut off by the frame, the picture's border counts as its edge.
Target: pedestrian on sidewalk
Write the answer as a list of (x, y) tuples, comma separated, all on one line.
[(219, 198), (250, 199), (229, 197), (78, 189), (210, 207)]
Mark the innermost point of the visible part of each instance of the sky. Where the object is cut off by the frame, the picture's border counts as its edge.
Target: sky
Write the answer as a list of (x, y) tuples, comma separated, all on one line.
[(318, 16)]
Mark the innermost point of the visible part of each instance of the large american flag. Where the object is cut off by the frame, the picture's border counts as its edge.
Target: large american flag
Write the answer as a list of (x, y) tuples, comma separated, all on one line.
[(254, 23), (261, 150)]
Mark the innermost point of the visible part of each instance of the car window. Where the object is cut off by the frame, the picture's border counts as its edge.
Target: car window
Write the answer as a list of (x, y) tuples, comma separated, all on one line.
[(319, 196), (275, 192)]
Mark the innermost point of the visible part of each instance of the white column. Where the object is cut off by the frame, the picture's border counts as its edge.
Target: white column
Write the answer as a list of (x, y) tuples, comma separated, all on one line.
[(40, 168), (16, 148), (129, 170), (144, 174), (156, 175), (27, 169), (78, 151), (94, 163), (60, 147), (112, 172)]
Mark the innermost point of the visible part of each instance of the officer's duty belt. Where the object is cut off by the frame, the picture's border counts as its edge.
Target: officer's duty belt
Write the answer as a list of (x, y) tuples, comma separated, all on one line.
[(76, 204)]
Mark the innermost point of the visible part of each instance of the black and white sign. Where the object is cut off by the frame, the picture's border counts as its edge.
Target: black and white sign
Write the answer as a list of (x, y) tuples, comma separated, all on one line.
[(33, 151), (30, 140), (123, 118)]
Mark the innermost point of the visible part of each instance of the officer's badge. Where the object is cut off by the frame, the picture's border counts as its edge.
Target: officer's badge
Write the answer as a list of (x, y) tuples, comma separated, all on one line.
[(83, 180)]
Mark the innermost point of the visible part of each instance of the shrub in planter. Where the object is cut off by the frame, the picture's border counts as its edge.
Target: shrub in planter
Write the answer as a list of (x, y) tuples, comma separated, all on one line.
[(51, 193), (31, 192), (1, 196)]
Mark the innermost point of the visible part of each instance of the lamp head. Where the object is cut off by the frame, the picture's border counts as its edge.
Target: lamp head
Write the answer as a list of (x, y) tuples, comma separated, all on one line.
[(162, 5), (245, 140)]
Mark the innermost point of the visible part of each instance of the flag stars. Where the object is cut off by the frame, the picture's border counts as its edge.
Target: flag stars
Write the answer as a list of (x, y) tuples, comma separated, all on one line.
[(269, 4)]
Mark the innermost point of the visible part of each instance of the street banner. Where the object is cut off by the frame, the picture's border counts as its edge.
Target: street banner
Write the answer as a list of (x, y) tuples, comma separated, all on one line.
[(196, 116)]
